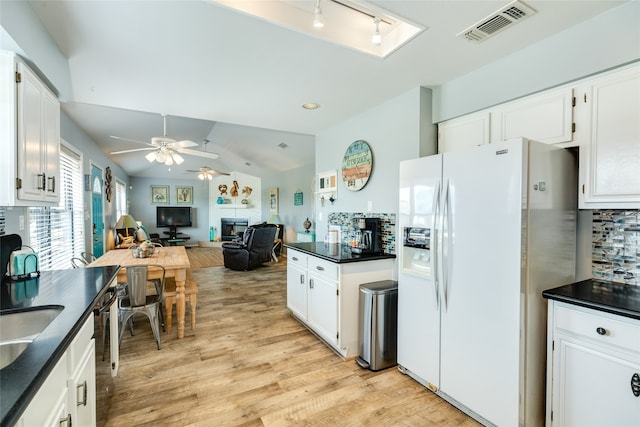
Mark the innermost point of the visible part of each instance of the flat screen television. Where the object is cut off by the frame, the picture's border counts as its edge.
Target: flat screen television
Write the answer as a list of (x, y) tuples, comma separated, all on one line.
[(173, 216)]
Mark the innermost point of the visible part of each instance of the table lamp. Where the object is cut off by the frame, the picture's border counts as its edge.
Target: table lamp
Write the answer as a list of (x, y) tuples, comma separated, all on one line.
[(126, 221)]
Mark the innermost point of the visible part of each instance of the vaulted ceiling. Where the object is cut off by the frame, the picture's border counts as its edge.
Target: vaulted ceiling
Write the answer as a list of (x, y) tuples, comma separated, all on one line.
[(240, 81)]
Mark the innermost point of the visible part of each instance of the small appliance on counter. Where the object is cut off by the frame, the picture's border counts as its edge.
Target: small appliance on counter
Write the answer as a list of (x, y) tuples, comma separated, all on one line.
[(367, 236)]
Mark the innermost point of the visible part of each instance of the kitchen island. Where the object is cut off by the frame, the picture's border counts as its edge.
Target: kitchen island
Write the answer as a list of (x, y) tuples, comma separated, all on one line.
[(74, 293), (323, 283), (593, 354)]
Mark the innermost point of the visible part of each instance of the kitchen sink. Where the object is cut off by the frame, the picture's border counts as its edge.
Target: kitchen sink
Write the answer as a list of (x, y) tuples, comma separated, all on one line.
[(9, 351), (19, 328)]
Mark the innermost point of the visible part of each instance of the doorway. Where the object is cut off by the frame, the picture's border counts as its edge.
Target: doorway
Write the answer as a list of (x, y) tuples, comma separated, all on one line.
[(97, 214)]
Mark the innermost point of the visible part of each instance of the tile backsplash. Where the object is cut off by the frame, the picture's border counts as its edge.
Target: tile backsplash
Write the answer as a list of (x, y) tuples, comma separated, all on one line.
[(616, 246), (344, 220)]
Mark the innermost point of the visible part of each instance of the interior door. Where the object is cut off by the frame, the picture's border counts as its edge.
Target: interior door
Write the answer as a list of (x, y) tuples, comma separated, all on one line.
[(97, 214)]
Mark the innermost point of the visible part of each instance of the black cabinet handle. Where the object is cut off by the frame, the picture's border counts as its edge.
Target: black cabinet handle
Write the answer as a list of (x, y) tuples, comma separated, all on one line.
[(302, 279), (635, 385), (42, 183), (318, 267), (601, 331), (295, 258)]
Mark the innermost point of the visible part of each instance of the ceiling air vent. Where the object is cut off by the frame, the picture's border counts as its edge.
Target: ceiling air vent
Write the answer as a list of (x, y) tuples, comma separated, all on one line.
[(510, 14)]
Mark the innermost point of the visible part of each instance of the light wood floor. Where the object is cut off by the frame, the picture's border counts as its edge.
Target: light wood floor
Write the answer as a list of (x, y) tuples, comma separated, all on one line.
[(249, 363)]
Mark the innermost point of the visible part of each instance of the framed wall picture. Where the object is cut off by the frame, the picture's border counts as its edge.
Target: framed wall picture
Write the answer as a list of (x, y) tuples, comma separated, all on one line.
[(159, 194), (273, 201), (184, 195)]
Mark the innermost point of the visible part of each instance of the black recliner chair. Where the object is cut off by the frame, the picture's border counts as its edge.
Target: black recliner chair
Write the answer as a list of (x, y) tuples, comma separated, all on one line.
[(256, 247)]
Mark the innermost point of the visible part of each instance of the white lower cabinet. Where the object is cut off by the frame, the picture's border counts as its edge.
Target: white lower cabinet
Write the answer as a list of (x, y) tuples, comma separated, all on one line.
[(68, 395), (323, 295), (50, 406), (593, 365)]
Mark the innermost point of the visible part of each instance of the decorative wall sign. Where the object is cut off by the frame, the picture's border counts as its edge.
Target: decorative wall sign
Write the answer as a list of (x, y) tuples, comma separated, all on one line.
[(184, 195), (357, 165), (159, 194), (297, 198)]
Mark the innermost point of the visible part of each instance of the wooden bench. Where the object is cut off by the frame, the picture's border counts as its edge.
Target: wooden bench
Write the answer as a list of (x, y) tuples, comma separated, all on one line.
[(191, 294)]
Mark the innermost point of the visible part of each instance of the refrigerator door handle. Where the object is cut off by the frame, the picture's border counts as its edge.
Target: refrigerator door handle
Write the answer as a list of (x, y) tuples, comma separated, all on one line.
[(435, 215), (446, 243)]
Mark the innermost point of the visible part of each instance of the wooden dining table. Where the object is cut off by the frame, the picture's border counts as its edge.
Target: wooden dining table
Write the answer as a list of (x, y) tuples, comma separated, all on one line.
[(173, 258)]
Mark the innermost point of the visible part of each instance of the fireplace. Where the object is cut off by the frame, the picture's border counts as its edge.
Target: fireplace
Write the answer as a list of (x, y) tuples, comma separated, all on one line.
[(233, 228)]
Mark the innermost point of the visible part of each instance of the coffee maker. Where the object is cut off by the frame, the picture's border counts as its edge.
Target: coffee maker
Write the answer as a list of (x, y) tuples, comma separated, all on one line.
[(367, 239)]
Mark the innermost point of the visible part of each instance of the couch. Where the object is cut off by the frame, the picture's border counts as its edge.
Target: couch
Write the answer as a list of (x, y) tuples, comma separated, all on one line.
[(255, 248)]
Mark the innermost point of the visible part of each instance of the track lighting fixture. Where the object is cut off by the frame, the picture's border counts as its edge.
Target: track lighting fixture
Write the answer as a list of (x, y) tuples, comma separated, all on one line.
[(376, 39), (318, 19)]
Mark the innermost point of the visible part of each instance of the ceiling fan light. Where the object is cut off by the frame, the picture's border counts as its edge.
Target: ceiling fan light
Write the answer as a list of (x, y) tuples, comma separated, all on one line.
[(178, 158), (161, 157), (209, 176), (151, 157), (201, 176), (169, 160)]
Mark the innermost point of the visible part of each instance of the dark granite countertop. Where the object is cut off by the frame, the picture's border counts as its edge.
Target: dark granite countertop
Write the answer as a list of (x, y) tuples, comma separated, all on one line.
[(335, 252), (77, 291), (616, 298)]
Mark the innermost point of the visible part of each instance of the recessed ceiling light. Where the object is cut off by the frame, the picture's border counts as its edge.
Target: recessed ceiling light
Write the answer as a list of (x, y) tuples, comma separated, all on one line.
[(310, 106)]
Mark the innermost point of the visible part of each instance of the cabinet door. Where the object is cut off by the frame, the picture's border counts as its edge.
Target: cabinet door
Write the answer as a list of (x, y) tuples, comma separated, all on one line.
[(30, 157), (82, 389), (51, 146), (297, 291), (544, 117), (463, 133), (593, 387), (323, 307), (50, 404), (610, 157)]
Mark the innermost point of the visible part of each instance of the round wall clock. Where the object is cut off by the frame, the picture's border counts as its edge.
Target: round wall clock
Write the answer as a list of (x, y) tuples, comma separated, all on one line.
[(357, 164)]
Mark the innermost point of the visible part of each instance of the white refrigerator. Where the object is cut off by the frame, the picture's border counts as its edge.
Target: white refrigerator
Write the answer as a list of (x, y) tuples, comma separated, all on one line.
[(484, 232)]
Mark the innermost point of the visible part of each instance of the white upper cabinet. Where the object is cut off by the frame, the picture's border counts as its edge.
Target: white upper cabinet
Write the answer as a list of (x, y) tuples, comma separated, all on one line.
[(546, 117), (610, 152), (30, 135), (464, 132)]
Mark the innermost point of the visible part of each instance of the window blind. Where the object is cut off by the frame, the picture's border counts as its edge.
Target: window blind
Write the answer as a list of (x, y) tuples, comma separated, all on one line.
[(57, 233), (121, 199)]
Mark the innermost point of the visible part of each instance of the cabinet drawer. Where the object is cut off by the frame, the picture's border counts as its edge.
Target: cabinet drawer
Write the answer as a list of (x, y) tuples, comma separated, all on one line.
[(599, 327), (325, 269), (79, 345), (297, 258)]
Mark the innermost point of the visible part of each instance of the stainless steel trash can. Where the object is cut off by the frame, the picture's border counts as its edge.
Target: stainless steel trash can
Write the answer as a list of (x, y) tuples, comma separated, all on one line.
[(378, 325)]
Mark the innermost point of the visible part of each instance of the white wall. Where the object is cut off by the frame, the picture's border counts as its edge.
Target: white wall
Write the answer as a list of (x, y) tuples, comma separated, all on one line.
[(252, 211), (292, 216), (606, 41), (395, 130)]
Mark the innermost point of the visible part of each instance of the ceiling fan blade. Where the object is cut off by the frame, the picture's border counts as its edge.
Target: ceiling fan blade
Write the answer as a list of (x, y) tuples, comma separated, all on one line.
[(130, 140), (185, 143), (133, 150), (198, 153)]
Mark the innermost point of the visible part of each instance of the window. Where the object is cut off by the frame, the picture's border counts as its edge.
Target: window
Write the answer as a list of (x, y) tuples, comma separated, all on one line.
[(57, 233), (121, 199)]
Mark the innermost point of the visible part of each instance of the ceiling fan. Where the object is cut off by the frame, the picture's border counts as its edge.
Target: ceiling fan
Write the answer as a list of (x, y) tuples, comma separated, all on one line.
[(205, 173), (164, 149)]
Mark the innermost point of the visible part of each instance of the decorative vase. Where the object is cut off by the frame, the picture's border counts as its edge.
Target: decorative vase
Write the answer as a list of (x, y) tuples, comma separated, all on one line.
[(220, 200), (307, 225)]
